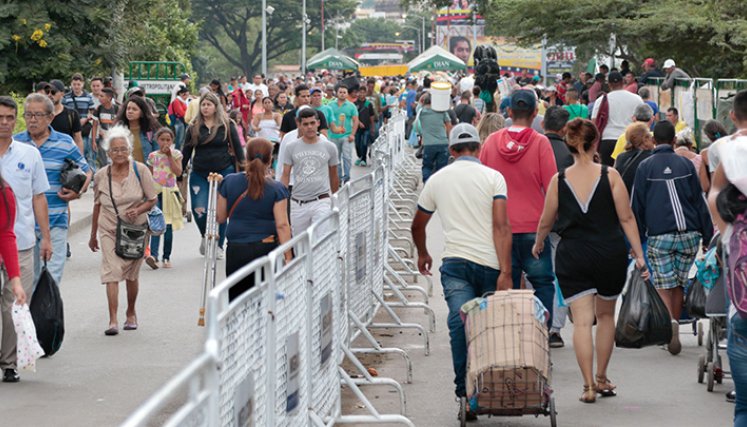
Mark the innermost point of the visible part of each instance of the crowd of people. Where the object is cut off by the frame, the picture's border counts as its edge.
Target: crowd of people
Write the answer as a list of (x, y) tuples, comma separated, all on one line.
[(572, 181), (575, 182)]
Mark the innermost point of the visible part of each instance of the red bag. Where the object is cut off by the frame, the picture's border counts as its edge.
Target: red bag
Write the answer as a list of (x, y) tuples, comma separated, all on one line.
[(603, 115)]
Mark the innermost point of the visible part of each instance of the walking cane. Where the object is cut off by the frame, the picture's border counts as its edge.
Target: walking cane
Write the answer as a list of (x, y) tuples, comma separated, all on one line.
[(211, 243)]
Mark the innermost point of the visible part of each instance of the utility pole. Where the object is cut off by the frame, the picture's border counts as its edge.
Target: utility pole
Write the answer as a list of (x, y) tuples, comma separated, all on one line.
[(322, 25), (264, 38), (303, 39)]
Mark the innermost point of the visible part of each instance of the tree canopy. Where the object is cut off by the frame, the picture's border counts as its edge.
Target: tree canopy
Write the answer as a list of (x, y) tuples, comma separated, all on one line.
[(706, 38), (240, 21), (56, 38)]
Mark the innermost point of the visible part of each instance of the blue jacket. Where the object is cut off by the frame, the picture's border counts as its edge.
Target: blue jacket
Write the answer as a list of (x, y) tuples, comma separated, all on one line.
[(667, 196), (148, 144)]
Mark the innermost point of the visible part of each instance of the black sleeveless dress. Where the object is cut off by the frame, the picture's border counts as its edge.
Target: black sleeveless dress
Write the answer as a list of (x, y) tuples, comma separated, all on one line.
[(592, 255)]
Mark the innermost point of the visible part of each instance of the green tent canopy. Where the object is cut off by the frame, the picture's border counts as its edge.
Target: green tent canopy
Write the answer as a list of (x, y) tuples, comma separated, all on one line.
[(332, 59), (436, 58)]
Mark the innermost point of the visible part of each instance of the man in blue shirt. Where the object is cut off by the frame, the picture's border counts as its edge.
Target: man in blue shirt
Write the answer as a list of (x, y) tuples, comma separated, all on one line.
[(23, 170), (409, 96), (55, 148)]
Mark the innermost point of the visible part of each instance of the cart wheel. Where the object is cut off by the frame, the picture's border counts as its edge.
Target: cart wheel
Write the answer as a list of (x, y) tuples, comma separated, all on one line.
[(701, 332), (711, 377), (718, 373), (553, 414), (463, 411), (701, 369)]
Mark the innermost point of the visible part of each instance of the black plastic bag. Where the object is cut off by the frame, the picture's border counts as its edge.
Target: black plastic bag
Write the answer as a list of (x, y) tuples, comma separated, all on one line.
[(46, 310), (644, 319), (696, 300), (72, 176)]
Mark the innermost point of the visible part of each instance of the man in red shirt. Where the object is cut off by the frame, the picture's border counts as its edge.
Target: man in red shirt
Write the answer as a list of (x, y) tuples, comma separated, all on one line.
[(526, 160)]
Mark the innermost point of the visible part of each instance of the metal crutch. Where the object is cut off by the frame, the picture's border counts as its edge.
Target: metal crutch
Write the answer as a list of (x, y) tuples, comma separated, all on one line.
[(211, 243)]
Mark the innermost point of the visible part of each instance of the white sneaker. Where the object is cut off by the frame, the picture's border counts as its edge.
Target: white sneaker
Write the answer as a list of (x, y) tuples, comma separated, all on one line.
[(219, 254), (675, 346), (202, 247)]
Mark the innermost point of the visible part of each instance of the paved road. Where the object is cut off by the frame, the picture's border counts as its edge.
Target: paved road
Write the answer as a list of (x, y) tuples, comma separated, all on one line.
[(96, 380), (655, 388)]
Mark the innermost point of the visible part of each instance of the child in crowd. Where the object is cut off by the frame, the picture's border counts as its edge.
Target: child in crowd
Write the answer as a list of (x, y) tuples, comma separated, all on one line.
[(167, 165), (235, 115)]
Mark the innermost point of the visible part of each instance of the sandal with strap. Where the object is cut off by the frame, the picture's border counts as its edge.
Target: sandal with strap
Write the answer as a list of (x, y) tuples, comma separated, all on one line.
[(605, 387), (589, 395)]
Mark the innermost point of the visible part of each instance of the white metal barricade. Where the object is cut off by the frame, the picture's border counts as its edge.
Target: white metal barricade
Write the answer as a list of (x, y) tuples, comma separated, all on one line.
[(273, 354)]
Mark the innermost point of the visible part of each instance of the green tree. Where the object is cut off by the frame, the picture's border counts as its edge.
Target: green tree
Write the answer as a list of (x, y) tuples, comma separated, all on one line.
[(55, 38), (240, 21), (370, 31), (706, 38)]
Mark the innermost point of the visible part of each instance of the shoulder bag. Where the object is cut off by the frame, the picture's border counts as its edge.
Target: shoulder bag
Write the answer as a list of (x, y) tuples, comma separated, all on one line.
[(129, 240)]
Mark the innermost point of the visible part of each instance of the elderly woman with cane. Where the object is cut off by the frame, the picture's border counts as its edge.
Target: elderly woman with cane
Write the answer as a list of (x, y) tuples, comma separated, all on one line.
[(124, 192)]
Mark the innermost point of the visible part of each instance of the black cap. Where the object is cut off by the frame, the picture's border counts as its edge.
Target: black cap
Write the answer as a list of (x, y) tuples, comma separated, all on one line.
[(615, 77), (58, 85), (599, 76), (523, 100)]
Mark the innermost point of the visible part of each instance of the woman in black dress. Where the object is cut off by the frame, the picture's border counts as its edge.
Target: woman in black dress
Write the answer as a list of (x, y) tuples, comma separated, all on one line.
[(591, 206)]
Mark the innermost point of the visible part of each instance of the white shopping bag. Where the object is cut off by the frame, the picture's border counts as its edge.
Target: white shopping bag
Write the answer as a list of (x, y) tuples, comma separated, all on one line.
[(27, 347)]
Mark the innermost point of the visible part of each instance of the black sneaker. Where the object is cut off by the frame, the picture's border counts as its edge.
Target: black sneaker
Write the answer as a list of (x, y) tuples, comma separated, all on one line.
[(556, 341), (11, 376), (469, 415), (69, 254), (731, 396)]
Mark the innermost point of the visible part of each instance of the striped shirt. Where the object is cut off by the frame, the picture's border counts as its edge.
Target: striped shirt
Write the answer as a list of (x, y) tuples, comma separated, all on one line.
[(54, 151), (80, 103)]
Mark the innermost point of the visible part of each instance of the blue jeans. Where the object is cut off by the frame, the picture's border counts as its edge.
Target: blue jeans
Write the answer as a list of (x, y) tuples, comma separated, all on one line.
[(539, 271), (737, 351), (178, 134), (89, 153), (56, 264), (198, 192), (434, 158), (463, 281), (361, 143), (168, 238)]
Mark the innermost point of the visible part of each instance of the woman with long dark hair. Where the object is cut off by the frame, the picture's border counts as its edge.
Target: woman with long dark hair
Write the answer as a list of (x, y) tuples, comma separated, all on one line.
[(135, 115), (216, 146), (255, 207), (589, 205)]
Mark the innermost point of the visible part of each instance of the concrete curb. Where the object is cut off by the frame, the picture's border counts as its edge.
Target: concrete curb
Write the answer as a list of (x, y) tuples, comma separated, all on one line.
[(81, 214)]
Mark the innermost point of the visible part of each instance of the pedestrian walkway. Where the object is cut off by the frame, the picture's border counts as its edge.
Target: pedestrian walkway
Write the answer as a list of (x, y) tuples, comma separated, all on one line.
[(654, 388)]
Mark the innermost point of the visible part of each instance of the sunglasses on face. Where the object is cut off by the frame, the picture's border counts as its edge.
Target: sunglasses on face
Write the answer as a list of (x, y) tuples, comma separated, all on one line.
[(50, 91)]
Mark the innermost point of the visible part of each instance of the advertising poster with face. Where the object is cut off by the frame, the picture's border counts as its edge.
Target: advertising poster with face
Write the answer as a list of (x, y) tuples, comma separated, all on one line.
[(244, 402)]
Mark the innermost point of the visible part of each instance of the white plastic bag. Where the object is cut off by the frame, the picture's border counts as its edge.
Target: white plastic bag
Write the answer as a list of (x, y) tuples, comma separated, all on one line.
[(27, 347)]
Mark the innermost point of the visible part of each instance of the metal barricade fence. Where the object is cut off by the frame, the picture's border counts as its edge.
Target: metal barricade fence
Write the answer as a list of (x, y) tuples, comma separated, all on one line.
[(272, 355)]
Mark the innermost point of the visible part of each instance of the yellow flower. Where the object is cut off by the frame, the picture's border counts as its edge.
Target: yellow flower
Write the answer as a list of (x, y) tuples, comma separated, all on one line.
[(98, 61), (23, 21), (16, 38), (47, 27), (37, 35), (42, 43)]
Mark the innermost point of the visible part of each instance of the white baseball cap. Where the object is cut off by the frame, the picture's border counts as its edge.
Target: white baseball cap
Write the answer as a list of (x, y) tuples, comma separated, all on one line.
[(669, 63), (463, 133)]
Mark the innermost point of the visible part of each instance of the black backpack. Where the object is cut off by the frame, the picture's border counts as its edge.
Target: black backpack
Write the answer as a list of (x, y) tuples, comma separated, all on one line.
[(46, 310)]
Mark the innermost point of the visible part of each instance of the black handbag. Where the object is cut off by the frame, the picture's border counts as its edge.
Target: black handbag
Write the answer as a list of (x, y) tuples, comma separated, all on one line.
[(72, 176), (130, 239)]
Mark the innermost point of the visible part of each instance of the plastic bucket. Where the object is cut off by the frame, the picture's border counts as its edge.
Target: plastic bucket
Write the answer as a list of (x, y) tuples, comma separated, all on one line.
[(440, 96)]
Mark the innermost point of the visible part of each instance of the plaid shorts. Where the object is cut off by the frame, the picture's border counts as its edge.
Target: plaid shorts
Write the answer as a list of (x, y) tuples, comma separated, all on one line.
[(671, 256)]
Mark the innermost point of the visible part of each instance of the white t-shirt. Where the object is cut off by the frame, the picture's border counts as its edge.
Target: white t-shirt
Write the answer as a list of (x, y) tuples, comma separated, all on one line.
[(463, 193), (261, 86), (287, 138), (622, 107), (731, 152)]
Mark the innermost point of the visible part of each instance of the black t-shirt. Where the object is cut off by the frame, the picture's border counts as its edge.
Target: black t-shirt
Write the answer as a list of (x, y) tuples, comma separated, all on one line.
[(365, 112), (465, 113), (289, 121), (67, 122)]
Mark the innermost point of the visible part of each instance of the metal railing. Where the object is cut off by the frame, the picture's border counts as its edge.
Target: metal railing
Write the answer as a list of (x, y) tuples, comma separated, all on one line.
[(273, 355)]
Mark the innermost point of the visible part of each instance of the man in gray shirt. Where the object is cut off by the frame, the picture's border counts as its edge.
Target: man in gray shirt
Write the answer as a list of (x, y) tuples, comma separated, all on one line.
[(313, 163)]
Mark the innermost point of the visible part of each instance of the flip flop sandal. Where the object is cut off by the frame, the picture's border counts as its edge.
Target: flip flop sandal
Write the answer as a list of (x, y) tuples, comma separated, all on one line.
[(130, 326), (111, 331)]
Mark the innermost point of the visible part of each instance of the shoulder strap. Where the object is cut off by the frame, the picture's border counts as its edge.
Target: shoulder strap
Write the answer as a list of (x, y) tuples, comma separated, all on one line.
[(111, 192), (137, 174), (630, 162), (604, 169), (238, 200), (561, 175)]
